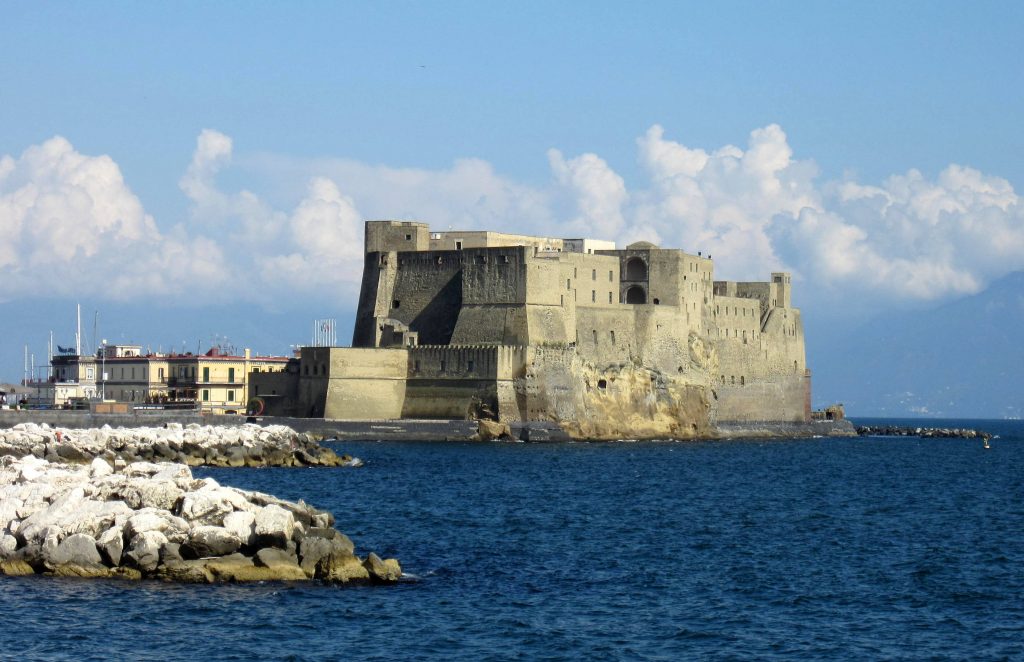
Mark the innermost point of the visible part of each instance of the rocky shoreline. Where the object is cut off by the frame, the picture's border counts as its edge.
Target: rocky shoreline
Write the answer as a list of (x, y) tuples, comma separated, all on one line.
[(924, 433), (192, 444), (145, 520)]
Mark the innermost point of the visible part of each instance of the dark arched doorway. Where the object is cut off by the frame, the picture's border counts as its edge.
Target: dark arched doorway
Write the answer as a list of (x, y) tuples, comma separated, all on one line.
[(636, 294), (636, 269)]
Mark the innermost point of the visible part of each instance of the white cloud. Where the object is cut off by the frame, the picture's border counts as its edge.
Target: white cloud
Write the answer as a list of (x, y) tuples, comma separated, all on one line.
[(326, 232), (599, 193), (70, 225)]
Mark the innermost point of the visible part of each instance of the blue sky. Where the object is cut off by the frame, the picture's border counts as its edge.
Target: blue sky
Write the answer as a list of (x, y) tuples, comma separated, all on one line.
[(232, 149)]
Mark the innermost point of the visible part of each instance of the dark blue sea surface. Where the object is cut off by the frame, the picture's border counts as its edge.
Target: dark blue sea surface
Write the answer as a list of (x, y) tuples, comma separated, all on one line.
[(873, 548)]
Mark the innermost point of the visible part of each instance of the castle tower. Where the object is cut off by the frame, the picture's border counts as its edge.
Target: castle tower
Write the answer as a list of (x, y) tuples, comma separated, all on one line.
[(781, 283), (385, 236)]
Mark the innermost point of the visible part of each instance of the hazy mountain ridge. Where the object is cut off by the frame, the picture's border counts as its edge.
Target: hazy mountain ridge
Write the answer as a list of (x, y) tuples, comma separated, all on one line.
[(964, 358)]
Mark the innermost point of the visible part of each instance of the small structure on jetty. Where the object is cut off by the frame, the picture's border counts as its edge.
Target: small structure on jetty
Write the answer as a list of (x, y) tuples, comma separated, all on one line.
[(600, 341)]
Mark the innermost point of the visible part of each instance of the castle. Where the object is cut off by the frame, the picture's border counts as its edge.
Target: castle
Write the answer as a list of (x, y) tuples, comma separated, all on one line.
[(634, 343)]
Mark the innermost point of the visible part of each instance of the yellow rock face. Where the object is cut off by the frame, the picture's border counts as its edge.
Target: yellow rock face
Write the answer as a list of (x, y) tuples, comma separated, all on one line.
[(15, 568)]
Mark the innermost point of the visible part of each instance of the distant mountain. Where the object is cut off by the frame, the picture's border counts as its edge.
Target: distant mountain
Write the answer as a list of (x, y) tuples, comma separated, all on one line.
[(961, 359)]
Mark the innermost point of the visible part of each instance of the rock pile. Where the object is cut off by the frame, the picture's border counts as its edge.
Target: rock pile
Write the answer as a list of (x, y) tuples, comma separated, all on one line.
[(216, 446), (924, 433), (146, 520)]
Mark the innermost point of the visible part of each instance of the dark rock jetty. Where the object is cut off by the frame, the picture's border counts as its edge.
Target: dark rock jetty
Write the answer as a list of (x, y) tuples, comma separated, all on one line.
[(924, 433), (192, 444), (145, 520)]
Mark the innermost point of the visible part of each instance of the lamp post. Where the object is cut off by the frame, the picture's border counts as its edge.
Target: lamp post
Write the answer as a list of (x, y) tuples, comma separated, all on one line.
[(103, 371)]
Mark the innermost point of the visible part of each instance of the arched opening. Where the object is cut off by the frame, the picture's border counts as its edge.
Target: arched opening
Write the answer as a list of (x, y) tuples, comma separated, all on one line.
[(636, 269), (602, 383), (636, 295)]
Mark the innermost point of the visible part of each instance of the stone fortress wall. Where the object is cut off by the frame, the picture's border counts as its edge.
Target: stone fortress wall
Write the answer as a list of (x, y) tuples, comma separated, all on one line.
[(639, 342)]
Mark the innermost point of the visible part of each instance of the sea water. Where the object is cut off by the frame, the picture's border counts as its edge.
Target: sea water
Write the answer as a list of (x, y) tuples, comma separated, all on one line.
[(891, 548)]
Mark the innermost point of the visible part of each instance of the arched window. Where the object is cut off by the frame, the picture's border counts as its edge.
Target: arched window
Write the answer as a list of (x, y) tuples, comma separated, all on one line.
[(636, 294), (636, 269)]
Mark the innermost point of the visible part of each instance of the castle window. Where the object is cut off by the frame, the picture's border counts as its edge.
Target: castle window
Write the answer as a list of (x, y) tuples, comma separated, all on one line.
[(656, 301), (636, 269), (442, 366), (593, 274), (613, 337), (383, 259), (723, 379), (610, 276), (408, 237), (574, 273), (601, 383), (593, 296), (440, 260), (416, 366), (568, 284), (469, 366), (396, 303), (458, 245), (504, 259), (743, 380), (732, 379), (595, 337), (609, 297)]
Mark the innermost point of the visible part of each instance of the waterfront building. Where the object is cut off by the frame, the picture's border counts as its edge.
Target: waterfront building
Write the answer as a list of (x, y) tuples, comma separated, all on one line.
[(216, 381)]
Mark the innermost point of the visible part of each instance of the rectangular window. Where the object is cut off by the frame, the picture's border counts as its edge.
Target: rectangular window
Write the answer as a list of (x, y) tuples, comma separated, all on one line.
[(231, 396), (610, 274), (442, 366), (206, 374), (206, 395), (416, 366), (609, 297), (160, 372), (469, 366), (568, 284), (231, 377), (593, 296), (593, 274)]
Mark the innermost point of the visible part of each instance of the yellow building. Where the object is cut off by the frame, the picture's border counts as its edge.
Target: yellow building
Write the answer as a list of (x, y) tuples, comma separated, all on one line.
[(213, 382)]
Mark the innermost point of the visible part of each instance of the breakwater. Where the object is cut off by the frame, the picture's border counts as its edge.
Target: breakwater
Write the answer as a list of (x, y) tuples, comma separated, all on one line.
[(192, 444), (156, 521), (923, 432)]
